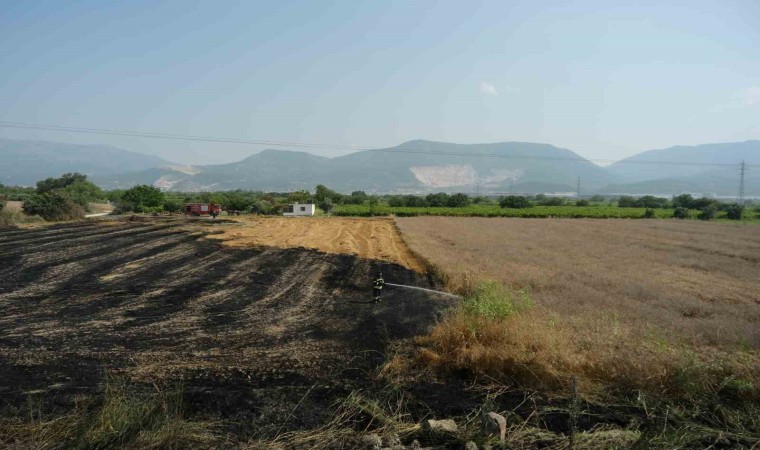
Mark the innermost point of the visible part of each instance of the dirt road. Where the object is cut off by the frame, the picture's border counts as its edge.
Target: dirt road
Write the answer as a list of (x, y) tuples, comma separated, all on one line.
[(376, 239), (249, 330)]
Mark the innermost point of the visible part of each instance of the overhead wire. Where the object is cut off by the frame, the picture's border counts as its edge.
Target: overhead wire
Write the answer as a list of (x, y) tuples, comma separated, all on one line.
[(292, 144)]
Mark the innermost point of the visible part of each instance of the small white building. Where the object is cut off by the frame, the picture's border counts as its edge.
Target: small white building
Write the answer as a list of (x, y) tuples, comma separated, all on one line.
[(299, 209)]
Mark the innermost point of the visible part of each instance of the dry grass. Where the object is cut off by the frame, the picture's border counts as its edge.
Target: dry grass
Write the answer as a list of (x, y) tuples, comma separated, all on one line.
[(376, 238), (671, 307), (121, 419), (11, 217)]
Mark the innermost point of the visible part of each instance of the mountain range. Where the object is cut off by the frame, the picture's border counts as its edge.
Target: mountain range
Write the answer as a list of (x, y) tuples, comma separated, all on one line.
[(413, 167)]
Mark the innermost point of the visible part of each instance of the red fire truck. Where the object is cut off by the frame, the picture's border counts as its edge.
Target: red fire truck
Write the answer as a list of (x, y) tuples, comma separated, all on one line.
[(202, 209)]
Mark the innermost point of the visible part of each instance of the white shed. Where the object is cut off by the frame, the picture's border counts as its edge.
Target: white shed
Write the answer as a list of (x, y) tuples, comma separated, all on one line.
[(299, 209)]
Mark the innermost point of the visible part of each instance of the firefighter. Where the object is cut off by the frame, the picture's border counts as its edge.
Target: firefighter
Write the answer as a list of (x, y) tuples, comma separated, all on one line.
[(377, 287)]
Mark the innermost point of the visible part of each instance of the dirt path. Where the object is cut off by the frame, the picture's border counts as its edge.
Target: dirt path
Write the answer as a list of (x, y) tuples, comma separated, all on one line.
[(375, 238)]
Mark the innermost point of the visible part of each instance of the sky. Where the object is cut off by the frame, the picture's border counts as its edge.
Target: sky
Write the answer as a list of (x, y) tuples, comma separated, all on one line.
[(604, 79)]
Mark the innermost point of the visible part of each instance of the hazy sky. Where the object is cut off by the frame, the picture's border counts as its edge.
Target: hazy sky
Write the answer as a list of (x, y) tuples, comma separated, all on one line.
[(602, 78)]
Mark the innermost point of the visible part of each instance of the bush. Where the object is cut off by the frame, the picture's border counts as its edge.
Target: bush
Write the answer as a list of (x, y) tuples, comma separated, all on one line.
[(626, 201), (172, 205), (735, 211), (649, 213), (649, 201), (140, 198), (458, 201), (683, 201), (514, 201), (681, 213), (552, 201), (702, 203), (708, 212), (53, 206), (438, 199), (582, 203)]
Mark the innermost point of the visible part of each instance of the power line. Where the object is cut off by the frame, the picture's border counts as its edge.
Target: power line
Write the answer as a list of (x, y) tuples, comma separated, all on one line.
[(331, 146)]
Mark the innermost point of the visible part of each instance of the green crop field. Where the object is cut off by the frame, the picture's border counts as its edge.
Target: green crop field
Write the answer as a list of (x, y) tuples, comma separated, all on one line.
[(568, 211), (602, 212)]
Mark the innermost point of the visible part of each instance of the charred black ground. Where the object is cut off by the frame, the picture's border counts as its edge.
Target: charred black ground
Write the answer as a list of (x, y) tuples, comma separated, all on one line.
[(246, 331)]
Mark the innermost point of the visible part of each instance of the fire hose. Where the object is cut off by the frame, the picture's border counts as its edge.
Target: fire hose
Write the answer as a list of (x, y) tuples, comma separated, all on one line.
[(432, 291)]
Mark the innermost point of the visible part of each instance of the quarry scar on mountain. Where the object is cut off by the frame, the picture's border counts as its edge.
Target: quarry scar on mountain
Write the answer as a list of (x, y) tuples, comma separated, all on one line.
[(461, 175)]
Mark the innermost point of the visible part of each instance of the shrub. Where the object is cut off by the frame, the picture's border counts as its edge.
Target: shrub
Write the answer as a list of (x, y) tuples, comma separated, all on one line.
[(53, 206), (683, 201), (626, 201), (438, 199), (582, 203), (735, 211), (51, 184), (649, 213), (141, 197), (458, 201), (649, 201), (681, 213), (708, 212), (172, 205), (702, 203), (552, 201), (514, 201)]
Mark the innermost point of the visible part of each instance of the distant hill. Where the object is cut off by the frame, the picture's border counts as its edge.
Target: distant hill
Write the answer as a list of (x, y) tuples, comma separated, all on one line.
[(26, 162), (712, 169), (413, 167)]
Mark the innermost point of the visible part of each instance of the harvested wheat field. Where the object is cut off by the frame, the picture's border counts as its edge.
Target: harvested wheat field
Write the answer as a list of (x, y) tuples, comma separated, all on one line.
[(670, 308), (694, 281), (367, 238)]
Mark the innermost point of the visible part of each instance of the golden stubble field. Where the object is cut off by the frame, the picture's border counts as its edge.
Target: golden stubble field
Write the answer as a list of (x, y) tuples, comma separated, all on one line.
[(375, 239), (695, 281), (631, 302)]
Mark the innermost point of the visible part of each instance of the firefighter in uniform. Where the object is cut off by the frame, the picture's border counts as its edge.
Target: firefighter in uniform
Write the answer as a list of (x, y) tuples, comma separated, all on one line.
[(377, 287)]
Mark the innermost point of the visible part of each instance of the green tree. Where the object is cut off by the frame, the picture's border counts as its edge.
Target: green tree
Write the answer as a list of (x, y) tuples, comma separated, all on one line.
[(458, 201), (172, 205), (514, 201), (708, 212), (649, 213), (650, 201), (582, 202), (326, 205), (415, 201), (626, 201), (141, 198), (552, 201), (683, 201), (438, 199), (302, 196), (83, 193), (53, 206), (234, 201), (735, 211), (681, 213), (50, 184)]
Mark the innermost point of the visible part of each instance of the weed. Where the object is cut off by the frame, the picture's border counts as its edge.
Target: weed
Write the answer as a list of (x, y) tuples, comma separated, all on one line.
[(121, 419)]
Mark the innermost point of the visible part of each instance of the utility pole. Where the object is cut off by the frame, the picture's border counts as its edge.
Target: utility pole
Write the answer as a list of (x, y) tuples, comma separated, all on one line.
[(741, 183), (579, 187)]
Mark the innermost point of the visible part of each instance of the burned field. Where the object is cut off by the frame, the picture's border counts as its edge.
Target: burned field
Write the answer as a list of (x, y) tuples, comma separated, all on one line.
[(246, 331)]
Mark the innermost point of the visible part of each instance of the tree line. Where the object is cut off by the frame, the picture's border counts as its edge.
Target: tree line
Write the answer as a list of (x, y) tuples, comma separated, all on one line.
[(69, 196)]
